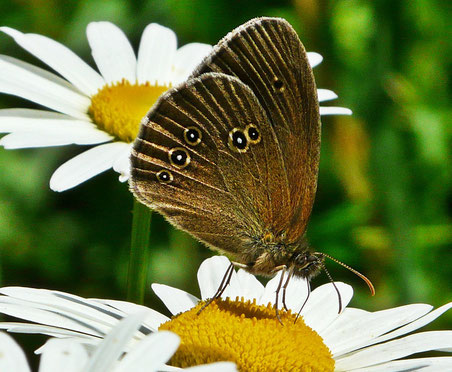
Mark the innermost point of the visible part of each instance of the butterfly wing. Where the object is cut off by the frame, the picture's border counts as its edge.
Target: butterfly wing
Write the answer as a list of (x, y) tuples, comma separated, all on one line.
[(267, 55), (257, 76), (219, 196)]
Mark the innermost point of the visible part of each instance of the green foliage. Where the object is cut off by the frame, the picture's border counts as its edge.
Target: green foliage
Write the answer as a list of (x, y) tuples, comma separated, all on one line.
[(384, 194)]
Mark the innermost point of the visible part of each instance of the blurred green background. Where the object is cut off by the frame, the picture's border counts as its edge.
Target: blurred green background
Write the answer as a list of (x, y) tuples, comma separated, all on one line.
[(384, 197)]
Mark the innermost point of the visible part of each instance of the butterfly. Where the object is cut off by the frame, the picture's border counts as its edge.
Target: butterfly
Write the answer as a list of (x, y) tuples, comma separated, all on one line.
[(232, 154)]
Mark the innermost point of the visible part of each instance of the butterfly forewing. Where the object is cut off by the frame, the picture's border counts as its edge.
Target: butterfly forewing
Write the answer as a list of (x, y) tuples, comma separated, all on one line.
[(221, 195), (267, 55)]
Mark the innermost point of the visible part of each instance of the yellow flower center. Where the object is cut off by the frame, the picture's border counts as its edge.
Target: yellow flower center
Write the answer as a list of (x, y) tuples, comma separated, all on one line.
[(248, 335), (118, 108)]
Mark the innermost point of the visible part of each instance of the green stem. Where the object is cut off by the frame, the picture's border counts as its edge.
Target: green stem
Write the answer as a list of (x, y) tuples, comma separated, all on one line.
[(139, 258)]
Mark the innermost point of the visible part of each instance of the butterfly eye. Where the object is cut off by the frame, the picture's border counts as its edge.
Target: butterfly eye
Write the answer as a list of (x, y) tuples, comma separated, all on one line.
[(164, 176), (253, 134), (268, 238), (192, 136), (278, 84), (238, 141), (179, 157)]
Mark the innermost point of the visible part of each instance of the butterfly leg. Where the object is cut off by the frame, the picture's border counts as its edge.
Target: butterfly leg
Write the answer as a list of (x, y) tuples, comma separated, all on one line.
[(283, 269), (222, 287), (284, 289), (242, 266)]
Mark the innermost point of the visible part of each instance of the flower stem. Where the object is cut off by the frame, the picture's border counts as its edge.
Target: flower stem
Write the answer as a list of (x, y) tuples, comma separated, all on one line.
[(139, 257)]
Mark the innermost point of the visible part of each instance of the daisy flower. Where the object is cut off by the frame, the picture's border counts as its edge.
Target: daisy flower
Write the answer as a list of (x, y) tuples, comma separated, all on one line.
[(241, 327), (97, 108), (91, 108), (72, 355)]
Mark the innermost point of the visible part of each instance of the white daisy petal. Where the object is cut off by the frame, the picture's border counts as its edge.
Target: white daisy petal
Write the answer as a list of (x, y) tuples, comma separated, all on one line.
[(33, 128), (174, 299), (269, 294), (24, 80), (150, 353), (62, 355), (47, 75), (364, 330), (25, 113), (122, 164), (167, 368), (187, 58), (112, 52), (326, 95), (36, 138), (420, 322), (322, 306), (24, 120), (124, 177), (12, 357), (113, 345), (58, 300), (342, 326), (65, 310), (417, 343), (60, 58), (89, 344), (422, 364), (250, 287), (85, 166), (19, 309), (73, 312), (153, 321), (156, 54), (314, 59), (331, 110), (31, 328)]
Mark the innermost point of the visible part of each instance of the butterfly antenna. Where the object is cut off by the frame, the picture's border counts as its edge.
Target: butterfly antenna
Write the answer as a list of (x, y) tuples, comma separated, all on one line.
[(368, 282)]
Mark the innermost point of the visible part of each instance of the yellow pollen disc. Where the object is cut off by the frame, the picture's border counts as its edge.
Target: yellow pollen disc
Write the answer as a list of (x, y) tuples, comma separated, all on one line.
[(118, 108), (248, 335)]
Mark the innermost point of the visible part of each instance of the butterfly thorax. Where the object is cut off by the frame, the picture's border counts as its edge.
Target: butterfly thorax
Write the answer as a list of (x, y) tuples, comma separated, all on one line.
[(267, 257)]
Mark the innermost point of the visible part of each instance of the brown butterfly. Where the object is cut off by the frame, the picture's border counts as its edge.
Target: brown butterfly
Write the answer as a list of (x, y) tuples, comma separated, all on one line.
[(231, 155)]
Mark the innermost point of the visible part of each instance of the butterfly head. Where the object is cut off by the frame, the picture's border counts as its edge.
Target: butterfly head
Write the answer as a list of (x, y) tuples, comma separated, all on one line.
[(305, 264)]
